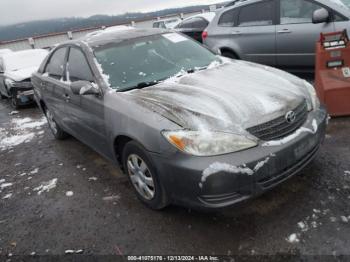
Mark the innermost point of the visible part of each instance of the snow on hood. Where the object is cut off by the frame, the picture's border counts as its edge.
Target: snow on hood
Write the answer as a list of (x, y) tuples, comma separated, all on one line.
[(21, 74), (231, 97)]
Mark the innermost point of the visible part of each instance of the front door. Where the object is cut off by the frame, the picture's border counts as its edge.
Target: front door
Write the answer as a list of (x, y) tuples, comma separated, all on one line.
[(296, 34), (87, 119)]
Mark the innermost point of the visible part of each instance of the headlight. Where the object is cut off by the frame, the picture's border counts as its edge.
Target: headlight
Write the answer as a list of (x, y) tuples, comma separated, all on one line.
[(206, 143), (313, 96)]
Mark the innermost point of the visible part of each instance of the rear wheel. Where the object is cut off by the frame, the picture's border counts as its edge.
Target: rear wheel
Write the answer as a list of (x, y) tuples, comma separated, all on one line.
[(143, 176), (229, 54), (56, 130)]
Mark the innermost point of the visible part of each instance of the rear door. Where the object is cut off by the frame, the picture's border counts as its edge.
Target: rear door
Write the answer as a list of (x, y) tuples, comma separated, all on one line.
[(87, 120), (255, 32), (53, 84), (296, 34)]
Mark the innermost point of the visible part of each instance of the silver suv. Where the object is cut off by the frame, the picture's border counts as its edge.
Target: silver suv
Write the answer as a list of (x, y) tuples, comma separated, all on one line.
[(279, 33)]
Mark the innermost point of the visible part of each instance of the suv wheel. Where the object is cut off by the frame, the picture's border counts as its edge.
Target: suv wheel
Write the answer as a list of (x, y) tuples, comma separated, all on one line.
[(229, 54), (143, 176), (54, 127)]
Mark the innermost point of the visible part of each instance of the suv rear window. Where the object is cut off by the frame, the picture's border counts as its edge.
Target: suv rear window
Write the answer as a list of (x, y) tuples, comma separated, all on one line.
[(228, 18), (258, 14)]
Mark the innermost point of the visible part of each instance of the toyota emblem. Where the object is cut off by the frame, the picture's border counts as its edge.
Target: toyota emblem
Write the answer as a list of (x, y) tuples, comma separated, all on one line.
[(290, 117)]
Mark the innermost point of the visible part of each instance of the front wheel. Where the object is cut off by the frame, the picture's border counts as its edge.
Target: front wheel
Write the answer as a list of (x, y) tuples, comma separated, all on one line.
[(56, 130), (14, 100), (143, 176)]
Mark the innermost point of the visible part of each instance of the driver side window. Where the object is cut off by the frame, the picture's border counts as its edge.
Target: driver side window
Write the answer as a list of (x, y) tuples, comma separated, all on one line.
[(55, 66), (78, 68), (297, 11)]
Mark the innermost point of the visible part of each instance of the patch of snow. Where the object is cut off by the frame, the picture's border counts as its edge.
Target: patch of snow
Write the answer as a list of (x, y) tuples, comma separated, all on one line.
[(92, 178), (104, 76), (344, 219), (35, 171), (294, 135), (69, 193), (46, 186), (112, 198), (5, 185), (293, 238), (218, 167), (7, 196), (71, 251), (13, 113), (346, 172), (2, 181)]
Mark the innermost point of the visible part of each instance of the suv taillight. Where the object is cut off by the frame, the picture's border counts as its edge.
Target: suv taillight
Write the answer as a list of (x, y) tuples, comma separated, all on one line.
[(204, 35)]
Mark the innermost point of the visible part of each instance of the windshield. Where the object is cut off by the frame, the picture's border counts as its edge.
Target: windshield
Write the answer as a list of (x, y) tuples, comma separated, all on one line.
[(345, 3), (24, 59), (151, 59)]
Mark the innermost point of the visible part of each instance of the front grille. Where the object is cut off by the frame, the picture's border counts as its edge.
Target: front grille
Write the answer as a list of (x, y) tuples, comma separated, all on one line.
[(271, 181), (280, 127)]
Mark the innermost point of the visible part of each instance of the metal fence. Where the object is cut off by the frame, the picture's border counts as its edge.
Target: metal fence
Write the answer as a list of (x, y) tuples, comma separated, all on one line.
[(47, 41)]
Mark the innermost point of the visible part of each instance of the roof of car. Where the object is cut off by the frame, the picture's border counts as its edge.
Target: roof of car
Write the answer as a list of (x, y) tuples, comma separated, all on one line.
[(117, 35), (209, 16)]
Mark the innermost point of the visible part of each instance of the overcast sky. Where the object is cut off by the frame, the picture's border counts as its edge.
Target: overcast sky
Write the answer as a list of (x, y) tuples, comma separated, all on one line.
[(17, 11)]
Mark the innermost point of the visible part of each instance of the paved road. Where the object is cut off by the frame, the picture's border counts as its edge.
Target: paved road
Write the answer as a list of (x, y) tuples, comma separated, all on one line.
[(104, 217)]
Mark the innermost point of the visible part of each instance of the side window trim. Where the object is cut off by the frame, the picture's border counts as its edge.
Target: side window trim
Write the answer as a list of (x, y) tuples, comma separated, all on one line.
[(274, 15)]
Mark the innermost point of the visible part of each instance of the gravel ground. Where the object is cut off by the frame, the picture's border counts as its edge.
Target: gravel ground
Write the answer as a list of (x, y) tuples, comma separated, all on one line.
[(61, 195)]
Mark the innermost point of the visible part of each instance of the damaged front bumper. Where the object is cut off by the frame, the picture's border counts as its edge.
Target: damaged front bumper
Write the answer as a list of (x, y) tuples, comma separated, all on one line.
[(24, 92), (222, 181)]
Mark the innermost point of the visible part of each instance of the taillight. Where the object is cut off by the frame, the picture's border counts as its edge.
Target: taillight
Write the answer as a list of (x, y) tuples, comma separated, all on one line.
[(204, 35)]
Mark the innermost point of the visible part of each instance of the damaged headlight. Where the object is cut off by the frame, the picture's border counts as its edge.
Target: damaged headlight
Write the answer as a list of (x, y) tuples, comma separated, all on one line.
[(206, 143), (9, 82), (315, 102)]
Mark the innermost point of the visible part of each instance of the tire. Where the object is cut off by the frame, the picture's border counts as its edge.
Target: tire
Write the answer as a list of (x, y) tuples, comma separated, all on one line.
[(147, 185), (56, 130), (229, 54), (14, 100)]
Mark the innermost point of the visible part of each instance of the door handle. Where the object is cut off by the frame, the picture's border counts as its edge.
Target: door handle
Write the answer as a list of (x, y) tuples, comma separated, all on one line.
[(284, 31), (236, 32)]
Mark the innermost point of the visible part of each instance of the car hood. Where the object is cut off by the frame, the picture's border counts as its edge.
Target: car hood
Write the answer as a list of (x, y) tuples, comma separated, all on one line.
[(21, 74), (230, 97)]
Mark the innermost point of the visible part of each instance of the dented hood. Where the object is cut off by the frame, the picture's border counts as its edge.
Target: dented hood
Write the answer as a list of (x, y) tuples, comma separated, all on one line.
[(230, 97), (21, 74)]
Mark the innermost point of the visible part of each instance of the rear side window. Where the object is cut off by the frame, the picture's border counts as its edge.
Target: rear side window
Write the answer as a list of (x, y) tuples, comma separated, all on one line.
[(228, 18), (186, 24), (55, 66), (199, 23), (259, 14), (78, 67)]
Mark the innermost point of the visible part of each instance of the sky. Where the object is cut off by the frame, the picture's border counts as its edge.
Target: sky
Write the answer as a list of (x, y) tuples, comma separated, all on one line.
[(18, 11)]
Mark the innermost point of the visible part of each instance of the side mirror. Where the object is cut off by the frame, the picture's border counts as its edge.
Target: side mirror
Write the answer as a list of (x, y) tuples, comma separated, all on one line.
[(320, 16), (84, 88)]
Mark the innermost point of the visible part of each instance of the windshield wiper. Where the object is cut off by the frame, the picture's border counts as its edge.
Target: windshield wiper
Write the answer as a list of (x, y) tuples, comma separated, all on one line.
[(141, 85)]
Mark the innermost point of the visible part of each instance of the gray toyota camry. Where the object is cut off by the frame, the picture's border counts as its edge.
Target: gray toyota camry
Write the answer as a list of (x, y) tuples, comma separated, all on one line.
[(188, 127)]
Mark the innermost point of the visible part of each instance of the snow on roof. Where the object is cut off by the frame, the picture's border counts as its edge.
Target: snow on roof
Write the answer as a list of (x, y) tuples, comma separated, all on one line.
[(5, 51), (24, 59)]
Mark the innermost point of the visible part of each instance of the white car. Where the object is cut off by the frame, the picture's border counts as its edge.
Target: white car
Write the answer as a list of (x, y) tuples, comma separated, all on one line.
[(5, 51), (167, 23), (16, 69)]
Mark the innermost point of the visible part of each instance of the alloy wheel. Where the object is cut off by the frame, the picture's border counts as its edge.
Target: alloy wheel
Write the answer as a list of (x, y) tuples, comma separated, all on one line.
[(141, 176)]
